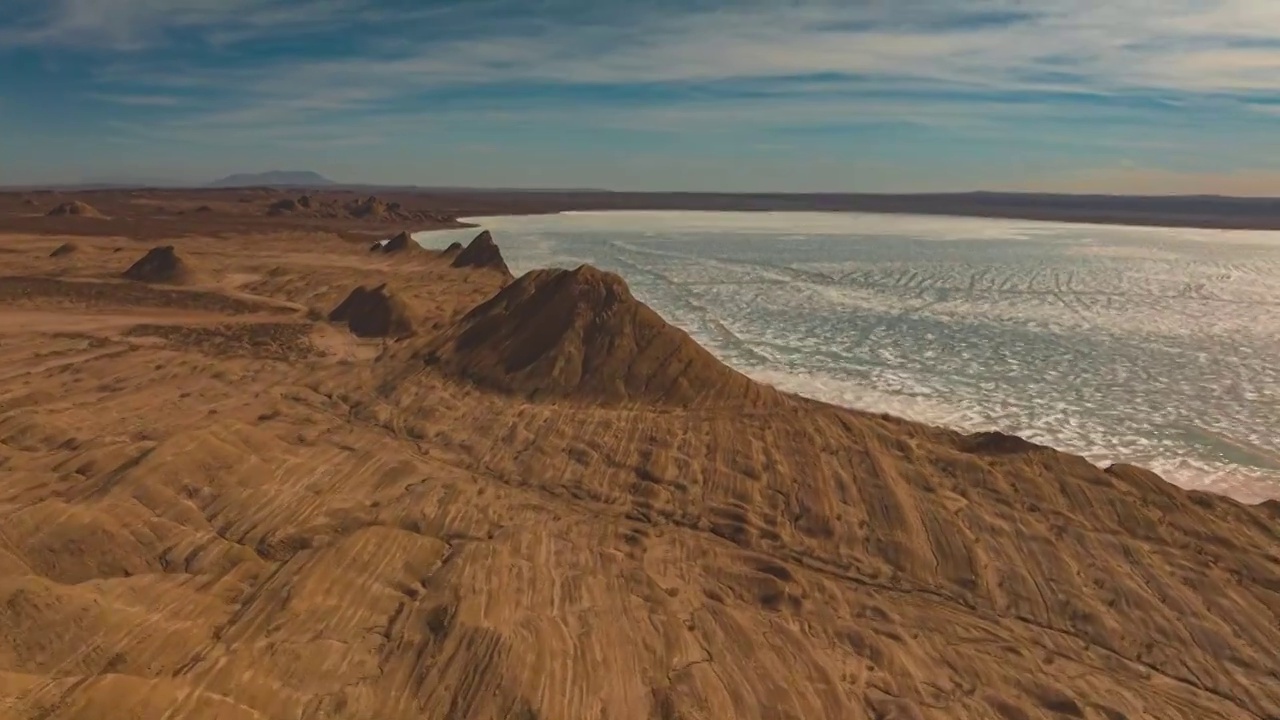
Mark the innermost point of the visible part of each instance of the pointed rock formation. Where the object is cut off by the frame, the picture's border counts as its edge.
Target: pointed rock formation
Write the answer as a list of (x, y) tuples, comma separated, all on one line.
[(75, 209), (64, 249), (581, 334), (371, 313), (399, 243), (482, 253), (453, 249), (369, 208), (159, 265)]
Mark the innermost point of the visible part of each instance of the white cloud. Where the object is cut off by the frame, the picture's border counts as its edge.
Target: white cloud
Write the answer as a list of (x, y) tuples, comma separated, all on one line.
[(138, 100)]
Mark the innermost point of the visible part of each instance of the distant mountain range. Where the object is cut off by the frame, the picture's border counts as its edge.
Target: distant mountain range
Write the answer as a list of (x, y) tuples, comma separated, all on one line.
[(273, 178)]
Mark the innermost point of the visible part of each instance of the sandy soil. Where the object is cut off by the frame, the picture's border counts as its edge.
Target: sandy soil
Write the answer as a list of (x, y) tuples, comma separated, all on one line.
[(545, 503)]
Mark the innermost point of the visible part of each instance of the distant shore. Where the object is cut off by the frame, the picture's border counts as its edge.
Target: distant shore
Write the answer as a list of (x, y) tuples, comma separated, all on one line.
[(1200, 212), (1221, 213)]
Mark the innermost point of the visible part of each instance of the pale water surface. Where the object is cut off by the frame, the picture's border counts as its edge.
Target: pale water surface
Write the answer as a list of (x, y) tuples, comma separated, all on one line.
[(1154, 346)]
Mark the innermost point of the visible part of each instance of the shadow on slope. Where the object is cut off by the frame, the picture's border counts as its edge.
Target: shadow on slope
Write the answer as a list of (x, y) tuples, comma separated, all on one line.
[(371, 313), (482, 252), (581, 333), (160, 265), (64, 249)]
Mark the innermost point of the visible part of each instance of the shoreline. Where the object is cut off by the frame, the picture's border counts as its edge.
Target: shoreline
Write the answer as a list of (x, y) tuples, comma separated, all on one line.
[(473, 220), (1201, 213), (1190, 212), (469, 221)]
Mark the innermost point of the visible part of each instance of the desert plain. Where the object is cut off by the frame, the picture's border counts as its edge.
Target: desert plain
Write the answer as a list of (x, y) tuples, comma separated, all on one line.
[(253, 465)]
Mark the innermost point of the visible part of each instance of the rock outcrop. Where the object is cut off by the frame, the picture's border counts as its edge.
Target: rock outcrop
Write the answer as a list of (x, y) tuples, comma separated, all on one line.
[(581, 334), (75, 208), (160, 265), (399, 243), (373, 313), (369, 208), (483, 253)]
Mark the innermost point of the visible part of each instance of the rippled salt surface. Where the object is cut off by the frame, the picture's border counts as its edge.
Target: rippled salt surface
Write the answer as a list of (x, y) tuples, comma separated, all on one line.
[(1154, 346)]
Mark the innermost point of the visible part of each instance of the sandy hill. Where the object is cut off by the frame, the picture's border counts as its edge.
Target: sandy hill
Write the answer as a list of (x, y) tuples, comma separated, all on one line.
[(160, 265), (75, 208), (581, 333), (212, 507), (373, 312), (482, 252)]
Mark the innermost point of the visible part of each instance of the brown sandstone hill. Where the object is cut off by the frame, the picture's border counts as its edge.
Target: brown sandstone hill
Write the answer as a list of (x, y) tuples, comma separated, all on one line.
[(160, 265), (581, 333), (373, 313), (75, 208), (481, 252)]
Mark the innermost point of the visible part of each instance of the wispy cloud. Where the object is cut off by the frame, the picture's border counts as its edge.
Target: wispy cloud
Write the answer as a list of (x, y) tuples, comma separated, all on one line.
[(137, 100), (1122, 72), (136, 25)]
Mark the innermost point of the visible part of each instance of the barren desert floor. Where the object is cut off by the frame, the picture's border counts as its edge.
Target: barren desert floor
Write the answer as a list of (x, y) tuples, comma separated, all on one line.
[(534, 499)]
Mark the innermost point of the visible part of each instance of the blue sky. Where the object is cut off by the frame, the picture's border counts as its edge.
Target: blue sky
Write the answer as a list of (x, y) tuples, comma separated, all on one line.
[(1174, 96)]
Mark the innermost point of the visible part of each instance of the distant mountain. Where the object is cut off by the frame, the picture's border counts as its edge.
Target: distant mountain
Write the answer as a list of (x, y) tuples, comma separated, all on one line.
[(274, 178)]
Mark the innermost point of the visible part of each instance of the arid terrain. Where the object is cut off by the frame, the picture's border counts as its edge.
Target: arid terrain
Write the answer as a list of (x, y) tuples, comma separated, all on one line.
[(335, 204), (253, 467)]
